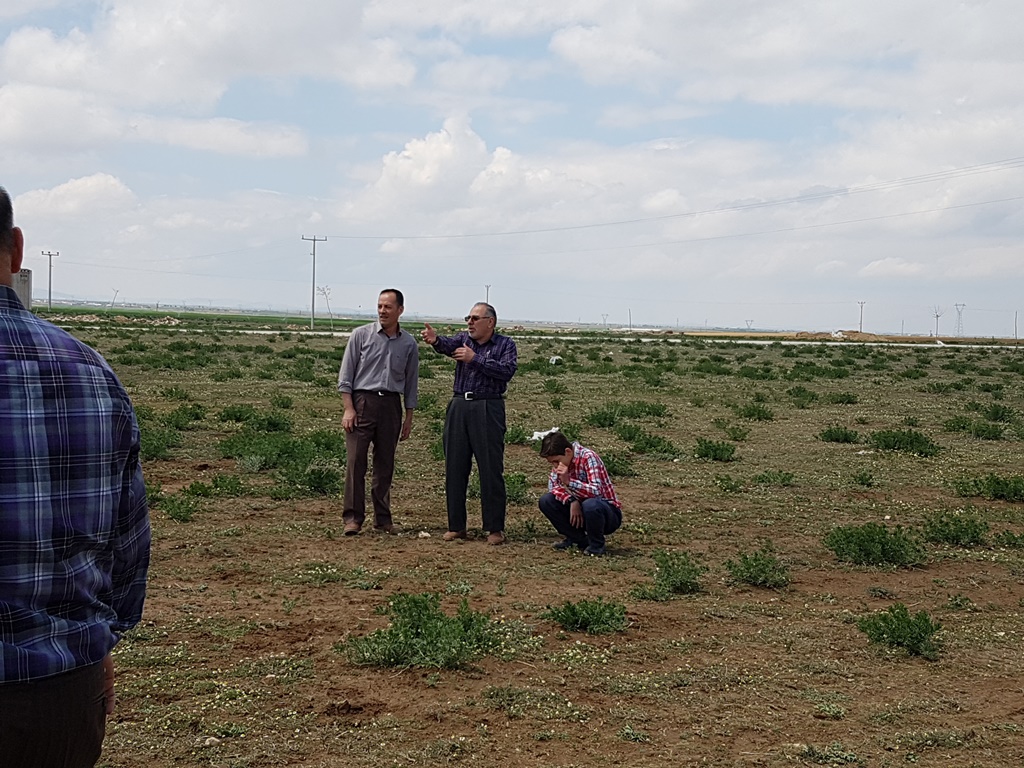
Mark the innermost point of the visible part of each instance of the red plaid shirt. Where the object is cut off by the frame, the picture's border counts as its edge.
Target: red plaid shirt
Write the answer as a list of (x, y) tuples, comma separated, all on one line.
[(588, 479)]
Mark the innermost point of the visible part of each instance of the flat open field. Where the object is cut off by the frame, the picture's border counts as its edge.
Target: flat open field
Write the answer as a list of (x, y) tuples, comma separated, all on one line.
[(260, 611)]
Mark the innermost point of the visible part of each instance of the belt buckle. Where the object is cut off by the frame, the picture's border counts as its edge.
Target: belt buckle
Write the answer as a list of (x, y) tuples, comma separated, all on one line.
[(467, 395), (380, 393)]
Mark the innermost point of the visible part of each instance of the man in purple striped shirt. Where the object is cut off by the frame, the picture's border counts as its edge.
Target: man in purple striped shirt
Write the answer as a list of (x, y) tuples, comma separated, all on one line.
[(474, 427), (74, 532)]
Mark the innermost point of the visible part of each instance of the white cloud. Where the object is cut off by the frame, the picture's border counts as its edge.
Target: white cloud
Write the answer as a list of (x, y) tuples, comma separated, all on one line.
[(894, 267), (230, 137)]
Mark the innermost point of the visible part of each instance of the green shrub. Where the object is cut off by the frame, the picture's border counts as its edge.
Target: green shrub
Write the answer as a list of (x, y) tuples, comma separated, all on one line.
[(240, 412), (156, 442), (517, 488), (838, 434), (278, 400), (864, 478), (183, 416), (175, 393), (675, 573), (728, 484), (1009, 539), (180, 507), (714, 450), (422, 635), (962, 528), (904, 440), (874, 544), (760, 569), (896, 628), (802, 396), (775, 477), (595, 617), (755, 412), (992, 486), (516, 434), (618, 464), (999, 412)]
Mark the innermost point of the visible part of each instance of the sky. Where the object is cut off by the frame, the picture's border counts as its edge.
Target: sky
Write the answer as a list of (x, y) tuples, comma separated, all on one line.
[(773, 164)]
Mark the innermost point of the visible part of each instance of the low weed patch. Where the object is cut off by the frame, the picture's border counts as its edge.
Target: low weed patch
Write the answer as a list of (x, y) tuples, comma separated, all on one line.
[(675, 573), (759, 569), (962, 528), (896, 628), (992, 486), (595, 617), (422, 635), (838, 434), (714, 450), (874, 544), (905, 441)]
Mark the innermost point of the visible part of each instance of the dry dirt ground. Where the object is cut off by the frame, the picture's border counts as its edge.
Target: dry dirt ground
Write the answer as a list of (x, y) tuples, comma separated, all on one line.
[(240, 658)]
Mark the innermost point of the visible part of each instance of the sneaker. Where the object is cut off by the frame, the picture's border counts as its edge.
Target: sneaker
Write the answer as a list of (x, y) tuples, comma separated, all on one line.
[(453, 535), (567, 543), (496, 538), (593, 551), (352, 528)]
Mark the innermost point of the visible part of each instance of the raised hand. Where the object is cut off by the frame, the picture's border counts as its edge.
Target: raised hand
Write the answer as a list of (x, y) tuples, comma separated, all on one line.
[(428, 334)]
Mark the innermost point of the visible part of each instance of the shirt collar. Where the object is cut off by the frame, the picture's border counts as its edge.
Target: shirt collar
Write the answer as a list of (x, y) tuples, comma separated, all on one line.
[(377, 328), (9, 298)]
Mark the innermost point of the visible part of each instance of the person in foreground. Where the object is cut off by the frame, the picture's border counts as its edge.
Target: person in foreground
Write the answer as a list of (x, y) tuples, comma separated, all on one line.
[(475, 423), (74, 532), (380, 367), (581, 501)]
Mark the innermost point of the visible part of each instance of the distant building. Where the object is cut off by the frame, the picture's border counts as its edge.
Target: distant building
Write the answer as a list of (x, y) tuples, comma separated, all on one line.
[(23, 287)]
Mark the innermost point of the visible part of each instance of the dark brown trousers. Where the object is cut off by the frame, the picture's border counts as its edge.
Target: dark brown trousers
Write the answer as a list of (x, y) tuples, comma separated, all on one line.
[(57, 722), (378, 421)]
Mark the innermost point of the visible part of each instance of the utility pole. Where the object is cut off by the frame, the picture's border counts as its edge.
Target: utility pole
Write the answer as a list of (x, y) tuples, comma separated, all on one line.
[(49, 285), (604, 319), (487, 298), (116, 291), (630, 311), (860, 328), (959, 319), (312, 295)]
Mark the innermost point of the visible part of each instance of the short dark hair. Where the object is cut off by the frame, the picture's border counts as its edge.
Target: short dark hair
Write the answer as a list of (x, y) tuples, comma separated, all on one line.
[(398, 295), (6, 221), (554, 444), (491, 312)]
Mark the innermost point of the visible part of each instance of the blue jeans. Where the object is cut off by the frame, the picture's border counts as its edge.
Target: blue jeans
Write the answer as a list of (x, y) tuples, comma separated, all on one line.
[(600, 517)]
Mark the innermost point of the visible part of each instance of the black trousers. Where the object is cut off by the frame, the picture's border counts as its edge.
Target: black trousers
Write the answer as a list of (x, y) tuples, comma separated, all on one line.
[(57, 722), (475, 429)]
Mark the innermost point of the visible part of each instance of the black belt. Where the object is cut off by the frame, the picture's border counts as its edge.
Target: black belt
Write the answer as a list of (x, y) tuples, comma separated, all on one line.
[(479, 396), (378, 392)]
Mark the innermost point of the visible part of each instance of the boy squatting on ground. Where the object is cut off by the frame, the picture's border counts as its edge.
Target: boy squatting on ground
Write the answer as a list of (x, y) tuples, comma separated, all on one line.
[(581, 502)]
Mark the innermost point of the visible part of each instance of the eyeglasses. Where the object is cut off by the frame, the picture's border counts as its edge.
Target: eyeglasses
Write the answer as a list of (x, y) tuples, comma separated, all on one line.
[(474, 318)]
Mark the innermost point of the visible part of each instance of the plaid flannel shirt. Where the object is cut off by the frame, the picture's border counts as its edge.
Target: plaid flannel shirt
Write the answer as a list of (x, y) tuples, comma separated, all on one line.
[(588, 479), (74, 524)]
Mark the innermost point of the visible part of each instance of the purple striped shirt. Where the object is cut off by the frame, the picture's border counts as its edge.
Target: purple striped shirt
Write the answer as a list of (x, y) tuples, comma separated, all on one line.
[(74, 524), (492, 368)]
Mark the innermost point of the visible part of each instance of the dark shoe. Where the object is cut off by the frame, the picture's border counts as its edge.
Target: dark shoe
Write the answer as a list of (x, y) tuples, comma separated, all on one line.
[(568, 543), (453, 535), (352, 528), (496, 538), (389, 529), (593, 551)]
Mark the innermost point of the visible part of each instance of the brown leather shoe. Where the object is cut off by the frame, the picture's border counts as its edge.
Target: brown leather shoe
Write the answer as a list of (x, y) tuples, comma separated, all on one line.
[(389, 529), (453, 535), (352, 528), (496, 538)]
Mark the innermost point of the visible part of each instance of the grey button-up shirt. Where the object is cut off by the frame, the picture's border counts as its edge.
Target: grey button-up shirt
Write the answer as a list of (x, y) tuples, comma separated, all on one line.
[(375, 361)]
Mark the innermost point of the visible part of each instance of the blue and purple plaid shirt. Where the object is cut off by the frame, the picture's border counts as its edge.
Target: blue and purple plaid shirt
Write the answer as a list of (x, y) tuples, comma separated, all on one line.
[(491, 370), (74, 524)]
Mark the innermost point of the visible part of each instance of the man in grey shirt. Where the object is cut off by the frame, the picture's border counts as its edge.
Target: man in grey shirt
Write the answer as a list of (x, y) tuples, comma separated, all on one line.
[(379, 369)]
